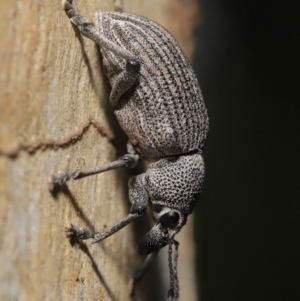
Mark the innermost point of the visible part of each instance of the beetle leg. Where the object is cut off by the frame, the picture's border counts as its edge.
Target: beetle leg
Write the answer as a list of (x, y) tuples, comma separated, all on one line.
[(138, 197), (127, 161), (118, 5), (82, 233), (124, 81), (139, 274), (127, 78), (89, 30)]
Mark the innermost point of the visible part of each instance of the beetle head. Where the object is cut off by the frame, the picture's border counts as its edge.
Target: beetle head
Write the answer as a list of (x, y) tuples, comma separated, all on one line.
[(173, 186), (169, 223)]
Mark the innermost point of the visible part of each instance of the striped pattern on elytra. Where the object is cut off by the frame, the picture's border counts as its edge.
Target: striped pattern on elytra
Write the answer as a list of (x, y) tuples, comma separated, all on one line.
[(164, 113)]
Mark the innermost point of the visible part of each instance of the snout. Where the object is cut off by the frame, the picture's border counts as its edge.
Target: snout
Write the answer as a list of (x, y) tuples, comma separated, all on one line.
[(154, 240)]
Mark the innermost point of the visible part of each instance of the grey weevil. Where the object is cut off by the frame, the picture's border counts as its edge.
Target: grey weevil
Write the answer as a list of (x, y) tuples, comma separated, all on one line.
[(159, 105)]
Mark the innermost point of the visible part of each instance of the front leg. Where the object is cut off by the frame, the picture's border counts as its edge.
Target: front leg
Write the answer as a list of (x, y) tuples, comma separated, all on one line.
[(139, 199), (140, 273), (82, 233)]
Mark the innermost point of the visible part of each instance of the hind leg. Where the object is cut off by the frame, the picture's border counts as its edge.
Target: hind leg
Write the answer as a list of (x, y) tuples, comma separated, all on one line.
[(118, 5), (128, 77)]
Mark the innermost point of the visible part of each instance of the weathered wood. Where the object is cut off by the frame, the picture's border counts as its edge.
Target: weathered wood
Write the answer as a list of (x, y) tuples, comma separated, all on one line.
[(54, 115)]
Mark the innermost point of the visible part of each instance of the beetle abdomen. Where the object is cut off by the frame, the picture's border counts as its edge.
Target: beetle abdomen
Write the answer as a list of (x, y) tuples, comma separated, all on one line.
[(164, 113)]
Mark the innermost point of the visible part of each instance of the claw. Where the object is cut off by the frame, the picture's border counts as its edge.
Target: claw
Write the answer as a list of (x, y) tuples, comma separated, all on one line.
[(79, 233), (59, 179), (66, 4), (71, 231)]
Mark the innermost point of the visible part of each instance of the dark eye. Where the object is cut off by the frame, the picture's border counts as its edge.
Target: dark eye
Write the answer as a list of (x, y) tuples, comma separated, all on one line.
[(170, 219)]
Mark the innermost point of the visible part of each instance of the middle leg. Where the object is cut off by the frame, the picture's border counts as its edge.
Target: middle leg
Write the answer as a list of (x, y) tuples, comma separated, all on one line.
[(128, 161)]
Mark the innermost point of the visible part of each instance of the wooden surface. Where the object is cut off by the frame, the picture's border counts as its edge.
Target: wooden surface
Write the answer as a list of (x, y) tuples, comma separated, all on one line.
[(54, 114)]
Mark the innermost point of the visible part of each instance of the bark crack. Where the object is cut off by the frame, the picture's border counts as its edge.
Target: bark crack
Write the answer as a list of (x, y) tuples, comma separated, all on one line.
[(72, 137)]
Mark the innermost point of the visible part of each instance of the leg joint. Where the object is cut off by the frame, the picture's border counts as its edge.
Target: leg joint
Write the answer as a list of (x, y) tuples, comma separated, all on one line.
[(130, 160), (139, 208), (133, 65)]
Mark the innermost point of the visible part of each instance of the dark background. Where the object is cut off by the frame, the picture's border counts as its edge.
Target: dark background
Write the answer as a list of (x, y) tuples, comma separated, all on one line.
[(247, 228)]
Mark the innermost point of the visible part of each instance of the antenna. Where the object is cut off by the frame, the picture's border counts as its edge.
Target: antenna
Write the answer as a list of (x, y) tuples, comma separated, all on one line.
[(173, 292)]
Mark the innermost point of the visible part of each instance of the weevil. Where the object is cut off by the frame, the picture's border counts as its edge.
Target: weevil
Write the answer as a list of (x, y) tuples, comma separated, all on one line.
[(158, 103)]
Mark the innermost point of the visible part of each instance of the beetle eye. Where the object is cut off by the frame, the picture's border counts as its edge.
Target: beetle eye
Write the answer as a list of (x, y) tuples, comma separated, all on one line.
[(170, 219)]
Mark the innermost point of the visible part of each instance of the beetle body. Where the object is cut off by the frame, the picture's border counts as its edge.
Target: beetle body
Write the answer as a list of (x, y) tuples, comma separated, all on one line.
[(164, 113), (159, 105)]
